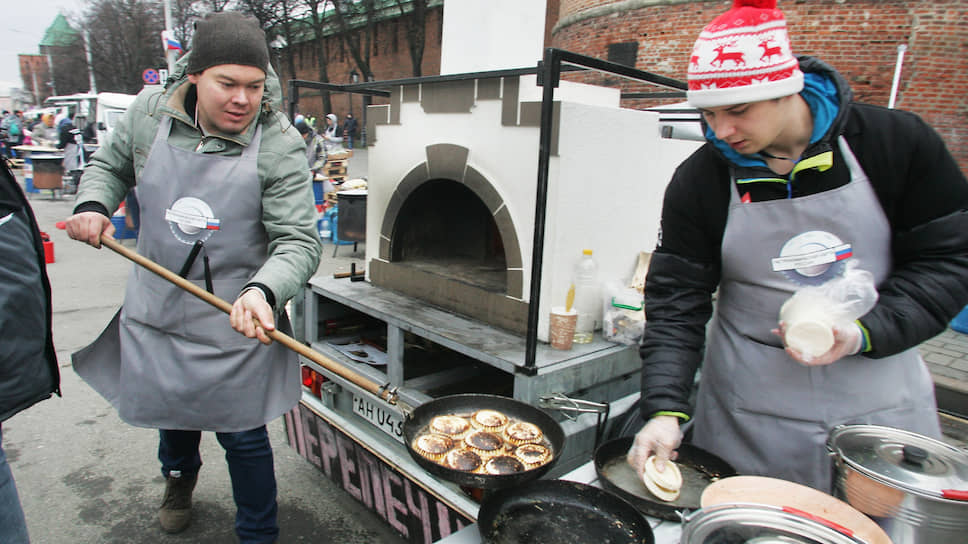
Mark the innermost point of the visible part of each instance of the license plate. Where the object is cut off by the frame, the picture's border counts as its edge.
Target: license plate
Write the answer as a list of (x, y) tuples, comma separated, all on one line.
[(384, 419)]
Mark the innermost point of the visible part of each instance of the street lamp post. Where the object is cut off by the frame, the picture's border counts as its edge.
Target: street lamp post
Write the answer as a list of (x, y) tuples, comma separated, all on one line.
[(354, 79), (366, 103)]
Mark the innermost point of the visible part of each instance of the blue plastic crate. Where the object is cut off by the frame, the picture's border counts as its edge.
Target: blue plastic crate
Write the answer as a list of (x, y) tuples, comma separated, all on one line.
[(318, 192), (121, 231), (960, 322)]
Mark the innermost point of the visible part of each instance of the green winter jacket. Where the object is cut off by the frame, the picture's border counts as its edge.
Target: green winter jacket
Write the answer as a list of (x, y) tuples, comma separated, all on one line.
[(288, 211)]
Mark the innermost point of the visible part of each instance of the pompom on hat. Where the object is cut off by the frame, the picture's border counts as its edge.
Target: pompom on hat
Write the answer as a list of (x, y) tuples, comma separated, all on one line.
[(743, 56)]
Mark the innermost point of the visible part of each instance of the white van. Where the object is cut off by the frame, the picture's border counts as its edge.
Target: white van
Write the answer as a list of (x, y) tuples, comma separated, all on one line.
[(105, 109), (110, 108)]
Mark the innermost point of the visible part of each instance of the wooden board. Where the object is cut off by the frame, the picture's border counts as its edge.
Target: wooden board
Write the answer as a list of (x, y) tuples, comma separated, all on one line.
[(781, 493)]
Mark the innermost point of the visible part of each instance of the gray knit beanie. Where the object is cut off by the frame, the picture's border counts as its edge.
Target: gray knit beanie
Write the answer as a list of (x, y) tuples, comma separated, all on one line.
[(228, 37)]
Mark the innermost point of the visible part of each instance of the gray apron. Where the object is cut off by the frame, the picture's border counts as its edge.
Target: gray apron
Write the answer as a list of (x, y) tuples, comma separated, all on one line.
[(168, 359), (757, 408)]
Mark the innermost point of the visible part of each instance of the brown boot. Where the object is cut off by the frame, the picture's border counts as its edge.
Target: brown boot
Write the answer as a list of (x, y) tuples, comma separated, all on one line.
[(176, 508)]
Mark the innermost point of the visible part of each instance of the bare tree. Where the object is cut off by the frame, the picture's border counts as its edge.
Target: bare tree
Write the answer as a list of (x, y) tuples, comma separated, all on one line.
[(416, 31), (125, 39), (278, 18), (356, 20), (184, 13), (317, 10)]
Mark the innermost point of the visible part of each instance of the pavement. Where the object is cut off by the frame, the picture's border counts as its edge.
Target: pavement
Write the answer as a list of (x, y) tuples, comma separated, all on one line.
[(84, 476)]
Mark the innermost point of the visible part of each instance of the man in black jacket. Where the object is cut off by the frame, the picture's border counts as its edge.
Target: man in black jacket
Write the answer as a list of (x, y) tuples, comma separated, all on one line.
[(28, 364), (797, 185)]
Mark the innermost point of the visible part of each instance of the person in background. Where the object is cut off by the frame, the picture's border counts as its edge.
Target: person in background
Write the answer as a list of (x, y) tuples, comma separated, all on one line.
[(219, 171), (793, 167), (12, 126), (315, 154), (44, 132), (349, 130), (73, 160), (332, 135), (28, 362)]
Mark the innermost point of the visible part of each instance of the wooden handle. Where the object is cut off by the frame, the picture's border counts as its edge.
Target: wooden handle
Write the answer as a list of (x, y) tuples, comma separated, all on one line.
[(362, 381)]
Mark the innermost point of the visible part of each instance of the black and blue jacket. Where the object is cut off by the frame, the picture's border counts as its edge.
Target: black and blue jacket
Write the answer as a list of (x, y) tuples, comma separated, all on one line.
[(28, 363), (921, 189)]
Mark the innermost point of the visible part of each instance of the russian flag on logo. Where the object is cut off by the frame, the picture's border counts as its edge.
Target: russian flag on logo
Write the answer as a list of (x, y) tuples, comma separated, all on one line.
[(844, 253), (212, 224)]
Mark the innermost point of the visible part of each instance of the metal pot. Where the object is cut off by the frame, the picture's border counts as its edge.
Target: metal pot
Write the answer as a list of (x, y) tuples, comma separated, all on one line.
[(757, 523), (914, 487)]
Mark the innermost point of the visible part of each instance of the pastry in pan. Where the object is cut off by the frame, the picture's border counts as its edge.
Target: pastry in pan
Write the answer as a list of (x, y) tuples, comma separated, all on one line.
[(484, 443), (664, 485), (503, 464), (450, 425), (433, 446), (523, 432), (489, 420), (462, 459), (532, 455)]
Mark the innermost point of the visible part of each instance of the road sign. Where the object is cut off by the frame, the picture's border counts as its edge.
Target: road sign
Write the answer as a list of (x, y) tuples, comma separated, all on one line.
[(150, 76)]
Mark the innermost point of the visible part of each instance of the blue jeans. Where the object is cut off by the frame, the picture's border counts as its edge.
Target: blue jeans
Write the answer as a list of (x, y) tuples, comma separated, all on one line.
[(249, 456), (13, 526)]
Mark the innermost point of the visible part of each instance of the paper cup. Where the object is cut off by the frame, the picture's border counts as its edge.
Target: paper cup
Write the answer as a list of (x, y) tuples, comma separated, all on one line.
[(562, 328), (808, 328)]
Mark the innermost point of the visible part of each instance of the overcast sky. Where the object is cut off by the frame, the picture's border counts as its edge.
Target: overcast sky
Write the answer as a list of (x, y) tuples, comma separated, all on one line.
[(22, 26)]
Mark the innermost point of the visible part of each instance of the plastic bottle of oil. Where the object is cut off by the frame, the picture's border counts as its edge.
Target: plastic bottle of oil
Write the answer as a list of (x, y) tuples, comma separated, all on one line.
[(587, 297)]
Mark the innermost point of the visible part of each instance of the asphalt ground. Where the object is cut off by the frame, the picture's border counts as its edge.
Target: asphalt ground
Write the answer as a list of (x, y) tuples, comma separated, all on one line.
[(84, 476)]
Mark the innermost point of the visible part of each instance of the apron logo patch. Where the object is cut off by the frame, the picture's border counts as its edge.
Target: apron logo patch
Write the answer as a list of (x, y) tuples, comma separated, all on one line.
[(813, 258), (191, 219)]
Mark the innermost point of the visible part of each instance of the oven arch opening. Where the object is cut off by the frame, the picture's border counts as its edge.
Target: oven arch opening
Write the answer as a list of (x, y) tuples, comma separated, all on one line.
[(444, 228)]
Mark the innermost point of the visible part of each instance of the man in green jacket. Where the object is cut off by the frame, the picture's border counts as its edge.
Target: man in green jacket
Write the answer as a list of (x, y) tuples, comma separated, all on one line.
[(221, 174)]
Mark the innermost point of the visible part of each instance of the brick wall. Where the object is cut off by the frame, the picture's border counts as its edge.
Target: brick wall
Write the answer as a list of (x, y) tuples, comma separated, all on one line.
[(389, 59), (31, 65), (857, 37)]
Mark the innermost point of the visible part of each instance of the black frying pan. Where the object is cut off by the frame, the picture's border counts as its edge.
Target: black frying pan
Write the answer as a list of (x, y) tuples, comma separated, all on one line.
[(560, 512), (420, 417), (699, 468), (416, 418)]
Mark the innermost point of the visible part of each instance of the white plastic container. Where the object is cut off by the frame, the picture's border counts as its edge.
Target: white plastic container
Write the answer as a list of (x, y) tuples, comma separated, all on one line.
[(588, 299), (809, 324)]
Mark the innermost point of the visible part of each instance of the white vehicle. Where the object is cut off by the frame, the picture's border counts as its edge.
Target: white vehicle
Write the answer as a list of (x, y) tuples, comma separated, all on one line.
[(679, 121), (105, 109), (110, 108)]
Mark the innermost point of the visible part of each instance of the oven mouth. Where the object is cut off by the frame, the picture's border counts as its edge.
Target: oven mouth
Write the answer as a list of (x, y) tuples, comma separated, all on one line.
[(444, 229), (453, 244)]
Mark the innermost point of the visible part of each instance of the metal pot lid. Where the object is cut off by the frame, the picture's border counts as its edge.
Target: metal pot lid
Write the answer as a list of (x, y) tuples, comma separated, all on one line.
[(904, 459), (759, 524)]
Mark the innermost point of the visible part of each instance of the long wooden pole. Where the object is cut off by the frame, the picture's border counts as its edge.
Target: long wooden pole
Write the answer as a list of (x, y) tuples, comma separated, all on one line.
[(362, 381)]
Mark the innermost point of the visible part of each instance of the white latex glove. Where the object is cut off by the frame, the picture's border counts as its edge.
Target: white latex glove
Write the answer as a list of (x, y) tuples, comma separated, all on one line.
[(847, 341), (252, 316), (660, 437)]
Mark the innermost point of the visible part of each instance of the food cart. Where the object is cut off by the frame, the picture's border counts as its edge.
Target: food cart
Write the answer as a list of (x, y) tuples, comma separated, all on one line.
[(478, 204)]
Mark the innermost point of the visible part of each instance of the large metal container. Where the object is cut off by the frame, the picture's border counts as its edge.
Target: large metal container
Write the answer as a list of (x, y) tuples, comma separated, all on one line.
[(759, 524), (914, 487)]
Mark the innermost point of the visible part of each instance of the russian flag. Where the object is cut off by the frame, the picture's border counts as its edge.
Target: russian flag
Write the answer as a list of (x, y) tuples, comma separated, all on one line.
[(844, 252), (212, 224), (171, 44)]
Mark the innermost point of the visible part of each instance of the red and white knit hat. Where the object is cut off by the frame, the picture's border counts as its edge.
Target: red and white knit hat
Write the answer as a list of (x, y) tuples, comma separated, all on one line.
[(743, 56)]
